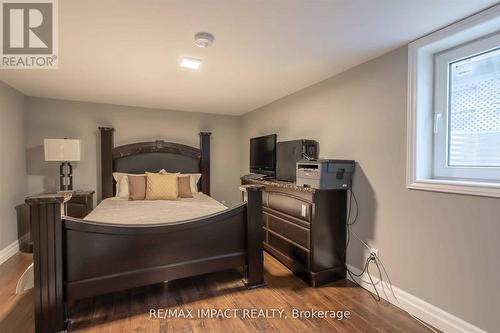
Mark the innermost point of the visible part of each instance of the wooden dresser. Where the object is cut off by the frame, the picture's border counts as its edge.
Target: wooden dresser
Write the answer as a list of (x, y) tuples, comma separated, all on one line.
[(305, 229)]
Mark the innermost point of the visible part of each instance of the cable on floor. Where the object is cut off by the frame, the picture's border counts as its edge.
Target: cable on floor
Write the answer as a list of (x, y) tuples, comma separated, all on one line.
[(372, 258), (366, 269)]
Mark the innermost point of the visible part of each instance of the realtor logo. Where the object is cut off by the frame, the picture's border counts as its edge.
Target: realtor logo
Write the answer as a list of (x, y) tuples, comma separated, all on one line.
[(29, 34)]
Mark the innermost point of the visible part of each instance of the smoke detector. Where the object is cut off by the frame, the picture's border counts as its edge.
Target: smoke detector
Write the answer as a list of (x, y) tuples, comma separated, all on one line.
[(203, 39)]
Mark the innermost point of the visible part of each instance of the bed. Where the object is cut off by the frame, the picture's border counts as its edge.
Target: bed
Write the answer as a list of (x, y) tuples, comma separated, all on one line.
[(125, 244), (112, 210)]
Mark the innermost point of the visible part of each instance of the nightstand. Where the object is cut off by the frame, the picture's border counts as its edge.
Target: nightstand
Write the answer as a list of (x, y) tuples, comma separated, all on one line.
[(80, 204)]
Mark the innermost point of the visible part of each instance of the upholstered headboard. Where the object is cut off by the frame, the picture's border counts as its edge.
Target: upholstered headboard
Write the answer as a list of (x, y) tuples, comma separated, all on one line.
[(152, 156)]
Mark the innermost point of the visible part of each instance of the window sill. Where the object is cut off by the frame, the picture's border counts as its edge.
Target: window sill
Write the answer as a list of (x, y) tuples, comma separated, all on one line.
[(457, 187)]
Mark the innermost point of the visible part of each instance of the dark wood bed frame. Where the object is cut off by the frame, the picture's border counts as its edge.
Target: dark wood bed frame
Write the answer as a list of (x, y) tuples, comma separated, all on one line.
[(75, 259)]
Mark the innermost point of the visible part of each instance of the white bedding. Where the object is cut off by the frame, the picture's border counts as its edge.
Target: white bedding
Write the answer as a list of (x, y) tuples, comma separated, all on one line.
[(123, 211)]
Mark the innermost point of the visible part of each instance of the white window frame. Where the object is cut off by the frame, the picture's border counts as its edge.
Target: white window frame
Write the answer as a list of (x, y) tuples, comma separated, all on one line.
[(442, 169), (421, 109)]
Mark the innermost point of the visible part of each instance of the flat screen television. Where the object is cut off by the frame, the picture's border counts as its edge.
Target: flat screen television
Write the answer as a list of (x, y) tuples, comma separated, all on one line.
[(263, 155)]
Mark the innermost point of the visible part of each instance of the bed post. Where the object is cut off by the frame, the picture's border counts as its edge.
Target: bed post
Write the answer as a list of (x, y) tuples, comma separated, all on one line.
[(255, 254), (205, 162), (107, 144), (46, 232)]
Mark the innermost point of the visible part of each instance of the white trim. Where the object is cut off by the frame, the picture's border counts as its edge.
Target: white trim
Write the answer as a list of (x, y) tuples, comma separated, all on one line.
[(411, 116), (9, 251), (458, 187), (442, 94), (419, 109), (417, 307)]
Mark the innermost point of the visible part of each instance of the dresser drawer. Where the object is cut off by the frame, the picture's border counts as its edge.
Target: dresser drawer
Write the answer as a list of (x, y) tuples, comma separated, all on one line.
[(290, 205), (293, 232), (80, 199), (76, 210), (288, 249)]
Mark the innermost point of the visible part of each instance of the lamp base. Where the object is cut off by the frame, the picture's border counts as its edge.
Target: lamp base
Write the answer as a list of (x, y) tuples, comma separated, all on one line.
[(66, 177)]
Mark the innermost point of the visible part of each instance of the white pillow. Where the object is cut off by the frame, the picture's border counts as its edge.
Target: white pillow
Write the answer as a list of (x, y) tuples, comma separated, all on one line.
[(193, 181), (122, 188)]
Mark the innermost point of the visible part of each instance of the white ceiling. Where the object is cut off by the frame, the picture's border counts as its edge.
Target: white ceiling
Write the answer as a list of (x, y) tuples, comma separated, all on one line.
[(127, 51)]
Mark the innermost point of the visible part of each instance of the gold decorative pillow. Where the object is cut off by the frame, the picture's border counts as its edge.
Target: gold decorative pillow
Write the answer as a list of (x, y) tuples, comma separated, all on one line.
[(162, 186)]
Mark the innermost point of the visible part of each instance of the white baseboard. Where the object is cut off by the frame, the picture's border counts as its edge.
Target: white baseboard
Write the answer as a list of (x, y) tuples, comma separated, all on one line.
[(417, 307), (9, 251)]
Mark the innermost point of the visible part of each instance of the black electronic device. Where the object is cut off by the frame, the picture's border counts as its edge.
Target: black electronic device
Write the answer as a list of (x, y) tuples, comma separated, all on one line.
[(288, 153), (263, 155)]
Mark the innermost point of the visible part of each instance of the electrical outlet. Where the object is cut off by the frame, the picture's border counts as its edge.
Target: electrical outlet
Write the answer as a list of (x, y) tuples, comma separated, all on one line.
[(374, 251)]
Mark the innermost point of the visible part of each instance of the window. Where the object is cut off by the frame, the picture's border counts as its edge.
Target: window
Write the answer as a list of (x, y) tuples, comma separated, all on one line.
[(454, 108), (467, 112)]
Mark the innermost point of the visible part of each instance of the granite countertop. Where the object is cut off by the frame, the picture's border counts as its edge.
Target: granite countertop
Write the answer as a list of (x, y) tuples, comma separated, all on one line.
[(48, 198), (61, 196), (279, 183)]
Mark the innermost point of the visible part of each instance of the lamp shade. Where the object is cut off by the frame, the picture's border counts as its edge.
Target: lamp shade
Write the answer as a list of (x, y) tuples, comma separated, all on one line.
[(62, 150)]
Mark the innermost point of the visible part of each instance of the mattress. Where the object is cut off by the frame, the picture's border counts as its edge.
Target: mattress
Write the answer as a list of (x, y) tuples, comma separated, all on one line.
[(123, 211)]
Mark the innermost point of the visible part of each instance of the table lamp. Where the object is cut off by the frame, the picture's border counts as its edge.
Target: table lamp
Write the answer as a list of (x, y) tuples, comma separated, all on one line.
[(65, 151)]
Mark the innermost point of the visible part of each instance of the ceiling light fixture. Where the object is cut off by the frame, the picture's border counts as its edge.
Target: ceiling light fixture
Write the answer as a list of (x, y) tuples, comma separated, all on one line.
[(190, 63), (203, 39)]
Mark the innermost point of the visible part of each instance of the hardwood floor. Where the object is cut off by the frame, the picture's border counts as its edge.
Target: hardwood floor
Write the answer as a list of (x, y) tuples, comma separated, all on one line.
[(129, 311)]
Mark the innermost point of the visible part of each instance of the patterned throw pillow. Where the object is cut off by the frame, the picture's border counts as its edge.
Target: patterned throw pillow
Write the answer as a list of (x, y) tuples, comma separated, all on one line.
[(162, 186)]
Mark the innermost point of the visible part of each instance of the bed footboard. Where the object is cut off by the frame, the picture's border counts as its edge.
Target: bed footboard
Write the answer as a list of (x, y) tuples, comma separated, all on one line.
[(74, 259)]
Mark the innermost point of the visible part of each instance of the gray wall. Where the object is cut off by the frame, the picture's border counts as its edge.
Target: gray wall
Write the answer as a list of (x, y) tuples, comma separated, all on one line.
[(49, 118), (12, 166), (440, 247)]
